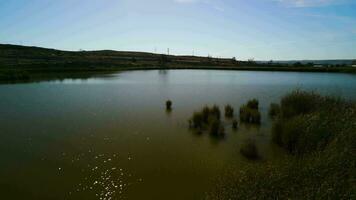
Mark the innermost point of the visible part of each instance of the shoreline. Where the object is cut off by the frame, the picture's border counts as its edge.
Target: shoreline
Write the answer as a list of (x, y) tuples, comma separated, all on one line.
[(28, 75)]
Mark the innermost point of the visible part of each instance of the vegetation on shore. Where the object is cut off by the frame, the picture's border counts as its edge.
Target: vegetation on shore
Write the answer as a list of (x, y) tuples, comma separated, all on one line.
[(319, 136), (24, 64)]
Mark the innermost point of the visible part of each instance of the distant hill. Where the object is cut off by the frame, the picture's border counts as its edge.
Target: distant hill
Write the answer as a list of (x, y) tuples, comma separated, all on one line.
[(22, 56), (316, 62), (23, 63)]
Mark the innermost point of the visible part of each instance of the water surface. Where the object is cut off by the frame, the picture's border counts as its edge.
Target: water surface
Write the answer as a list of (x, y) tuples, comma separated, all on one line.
[(111, 137)]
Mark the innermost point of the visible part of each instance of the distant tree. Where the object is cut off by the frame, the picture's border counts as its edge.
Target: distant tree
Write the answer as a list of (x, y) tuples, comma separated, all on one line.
[(251, 61), (133, 59), (298, 64), (310, 64)]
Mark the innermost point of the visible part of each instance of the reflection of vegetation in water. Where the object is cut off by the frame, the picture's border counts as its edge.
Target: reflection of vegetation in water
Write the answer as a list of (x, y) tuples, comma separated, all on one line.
[(319, 134), (249, 113)]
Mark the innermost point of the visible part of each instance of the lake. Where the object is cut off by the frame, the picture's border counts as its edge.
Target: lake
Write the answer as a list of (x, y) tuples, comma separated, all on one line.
[(111, 137)]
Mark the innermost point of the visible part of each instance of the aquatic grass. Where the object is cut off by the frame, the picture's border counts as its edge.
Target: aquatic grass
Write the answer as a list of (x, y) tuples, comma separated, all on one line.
[(253, 104), (250, 115), (274, 110), (320, 160), (307, 121), (168, 105), (229, 111), (216, 129), (235, 124)]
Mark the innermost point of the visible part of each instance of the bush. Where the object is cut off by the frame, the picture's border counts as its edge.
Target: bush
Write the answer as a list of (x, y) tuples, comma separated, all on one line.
[(249, 150), (216, 129), (274, 110), (300, 102), (215, 111), (206, 118), (324, 137), (235, 124), (169, 105), (308, 121), (253, 104), (249, 115), (229, 111), (197, 120)]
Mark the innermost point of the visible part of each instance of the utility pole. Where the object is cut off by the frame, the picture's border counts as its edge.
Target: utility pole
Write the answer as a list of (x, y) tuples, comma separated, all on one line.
[(168, 51)]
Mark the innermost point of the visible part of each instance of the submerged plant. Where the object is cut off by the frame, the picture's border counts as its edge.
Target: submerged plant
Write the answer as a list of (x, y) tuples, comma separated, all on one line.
[(216, 128), (235, 124), (168, 105), (274, 110), (208, 119), (253, 104), (249, 150), (249, 113), (215, 111)]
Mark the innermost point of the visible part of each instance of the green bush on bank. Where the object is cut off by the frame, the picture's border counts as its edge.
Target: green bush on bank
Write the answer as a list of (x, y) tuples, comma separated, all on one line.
[(321, 137)]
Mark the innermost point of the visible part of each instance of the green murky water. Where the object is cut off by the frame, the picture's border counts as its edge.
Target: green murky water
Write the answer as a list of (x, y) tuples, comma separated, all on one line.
[(111, 138)]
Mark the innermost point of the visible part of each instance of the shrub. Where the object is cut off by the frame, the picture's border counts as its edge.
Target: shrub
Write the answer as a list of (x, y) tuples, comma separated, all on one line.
[(274, 110), (168, 105), (216, 129), (253, 104), (249, 150), (215, 111), (229, 111), (235, 124), (206, 113), (300, 102), (197, 120), (308, 121), (249, 115)]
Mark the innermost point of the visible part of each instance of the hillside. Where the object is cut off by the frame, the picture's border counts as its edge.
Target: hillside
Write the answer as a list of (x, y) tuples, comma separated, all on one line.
[(24, 64)]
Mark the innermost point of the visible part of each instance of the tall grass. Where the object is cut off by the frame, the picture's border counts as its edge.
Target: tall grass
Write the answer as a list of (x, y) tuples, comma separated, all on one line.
[(249, 113), (320, 135)]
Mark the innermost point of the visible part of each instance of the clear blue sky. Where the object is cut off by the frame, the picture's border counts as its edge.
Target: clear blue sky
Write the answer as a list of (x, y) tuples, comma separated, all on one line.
[(260, 29)]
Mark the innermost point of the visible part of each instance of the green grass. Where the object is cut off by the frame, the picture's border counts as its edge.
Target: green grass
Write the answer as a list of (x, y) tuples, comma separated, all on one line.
[(319, 136)]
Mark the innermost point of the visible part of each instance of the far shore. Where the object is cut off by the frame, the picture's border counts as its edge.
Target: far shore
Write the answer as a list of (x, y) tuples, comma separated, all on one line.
[(19, 64)]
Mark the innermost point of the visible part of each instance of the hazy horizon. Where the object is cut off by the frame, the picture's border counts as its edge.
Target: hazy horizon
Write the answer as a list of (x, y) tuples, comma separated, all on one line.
[(260, 29)]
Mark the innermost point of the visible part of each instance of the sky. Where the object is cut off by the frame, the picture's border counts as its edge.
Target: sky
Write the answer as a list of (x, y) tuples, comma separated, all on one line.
[(245, 29)]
